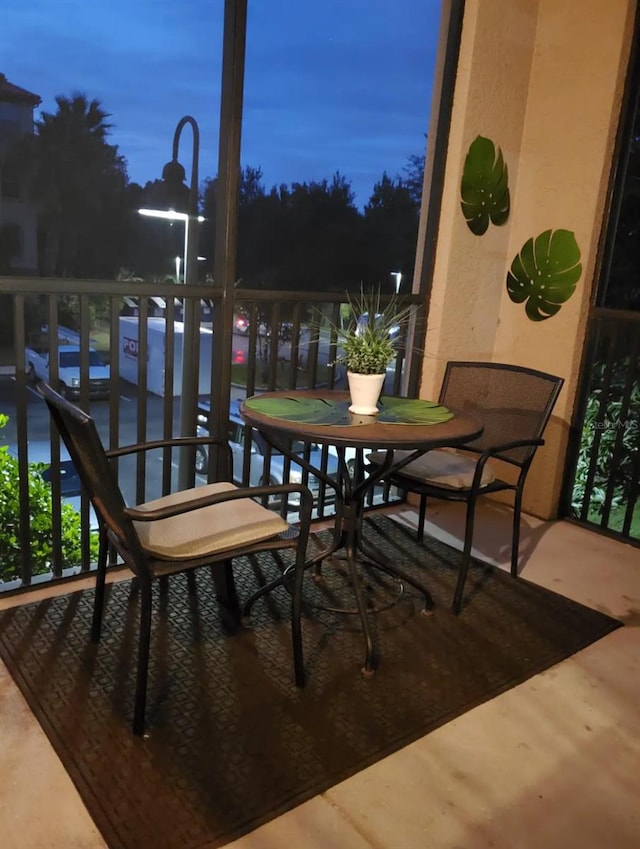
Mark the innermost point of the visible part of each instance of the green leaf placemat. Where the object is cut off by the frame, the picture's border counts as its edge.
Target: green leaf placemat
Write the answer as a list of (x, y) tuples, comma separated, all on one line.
[(300, 409), (412, 411), (321, 411)]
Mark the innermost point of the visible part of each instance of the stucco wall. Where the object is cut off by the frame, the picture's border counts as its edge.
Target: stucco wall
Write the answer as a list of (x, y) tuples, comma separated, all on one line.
[(543, 79)]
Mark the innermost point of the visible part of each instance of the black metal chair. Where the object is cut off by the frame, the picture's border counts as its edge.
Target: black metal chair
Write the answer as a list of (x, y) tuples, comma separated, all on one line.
[(181, 531), (514, 404)]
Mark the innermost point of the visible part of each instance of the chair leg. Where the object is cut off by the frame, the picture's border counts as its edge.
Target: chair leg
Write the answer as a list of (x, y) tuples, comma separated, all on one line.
[(98, 601), (296, 626), (192, 587), (466, 556), (143, 657), (515, 540), (422, 512), (225, 586)]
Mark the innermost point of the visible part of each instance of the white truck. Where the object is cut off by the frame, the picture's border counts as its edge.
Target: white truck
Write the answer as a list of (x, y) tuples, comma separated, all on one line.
[(156, 355), (70, 375)]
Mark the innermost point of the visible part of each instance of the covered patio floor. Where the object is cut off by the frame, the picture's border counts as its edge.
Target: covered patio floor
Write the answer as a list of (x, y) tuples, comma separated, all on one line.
[(551, 763)]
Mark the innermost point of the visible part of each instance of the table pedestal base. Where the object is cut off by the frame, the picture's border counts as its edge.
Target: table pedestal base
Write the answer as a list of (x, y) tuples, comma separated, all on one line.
[(349, 539)]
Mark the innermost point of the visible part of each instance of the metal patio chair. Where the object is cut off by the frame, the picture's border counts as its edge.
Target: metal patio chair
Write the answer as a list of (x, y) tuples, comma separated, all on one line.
[(196, 527), (514, 404)]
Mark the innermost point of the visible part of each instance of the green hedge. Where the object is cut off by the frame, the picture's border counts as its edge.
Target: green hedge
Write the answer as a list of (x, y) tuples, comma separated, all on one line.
[(40, 521)]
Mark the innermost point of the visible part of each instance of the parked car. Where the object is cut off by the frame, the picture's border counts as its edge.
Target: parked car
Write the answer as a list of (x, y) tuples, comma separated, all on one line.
[(259, 452), (350, 456), (241, 324), (285, 329), (37, 362), (363, 321)]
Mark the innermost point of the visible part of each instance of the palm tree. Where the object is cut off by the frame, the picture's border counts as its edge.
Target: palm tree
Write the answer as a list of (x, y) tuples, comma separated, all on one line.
[(77, 180)]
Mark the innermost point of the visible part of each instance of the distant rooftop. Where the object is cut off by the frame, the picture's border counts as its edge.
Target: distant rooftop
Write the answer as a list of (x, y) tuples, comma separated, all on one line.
[(11, 92)]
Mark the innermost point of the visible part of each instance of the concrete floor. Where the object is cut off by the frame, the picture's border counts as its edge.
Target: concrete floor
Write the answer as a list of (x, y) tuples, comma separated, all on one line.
[(551, 764)]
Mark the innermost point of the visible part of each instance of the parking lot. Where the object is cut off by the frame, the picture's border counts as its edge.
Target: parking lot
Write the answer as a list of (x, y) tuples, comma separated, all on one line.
[(127, 406)]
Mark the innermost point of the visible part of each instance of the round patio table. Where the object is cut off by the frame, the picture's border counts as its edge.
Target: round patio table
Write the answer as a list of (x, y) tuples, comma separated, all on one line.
[(321, 416)]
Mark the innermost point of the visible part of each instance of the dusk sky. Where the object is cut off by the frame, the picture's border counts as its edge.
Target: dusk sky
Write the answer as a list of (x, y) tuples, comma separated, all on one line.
[(341, 85)]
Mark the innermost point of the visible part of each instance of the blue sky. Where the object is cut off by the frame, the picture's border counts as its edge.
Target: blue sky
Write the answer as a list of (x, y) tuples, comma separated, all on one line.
[(337, 85)]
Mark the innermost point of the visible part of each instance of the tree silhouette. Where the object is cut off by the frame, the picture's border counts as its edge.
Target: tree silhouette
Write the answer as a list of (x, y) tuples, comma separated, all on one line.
[(414, 177), (77, 181), (303, 236), (310, 236), (391, 231)]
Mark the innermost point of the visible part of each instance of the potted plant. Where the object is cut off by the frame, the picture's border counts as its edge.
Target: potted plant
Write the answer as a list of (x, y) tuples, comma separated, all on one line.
[(369, 342)]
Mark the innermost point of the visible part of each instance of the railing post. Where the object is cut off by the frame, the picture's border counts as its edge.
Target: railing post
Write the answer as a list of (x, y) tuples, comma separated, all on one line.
[(226, 240)]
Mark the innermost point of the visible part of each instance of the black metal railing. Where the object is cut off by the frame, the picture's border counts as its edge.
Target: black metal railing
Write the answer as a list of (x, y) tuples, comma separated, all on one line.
[(604, 484), (275, 344)]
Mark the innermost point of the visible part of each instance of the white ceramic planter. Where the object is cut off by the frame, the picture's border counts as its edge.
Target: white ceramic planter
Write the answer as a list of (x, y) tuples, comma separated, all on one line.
[(365, 390)]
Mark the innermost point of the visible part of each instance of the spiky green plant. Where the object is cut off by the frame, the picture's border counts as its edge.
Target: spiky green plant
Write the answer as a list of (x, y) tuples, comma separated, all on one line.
[(369, 341)]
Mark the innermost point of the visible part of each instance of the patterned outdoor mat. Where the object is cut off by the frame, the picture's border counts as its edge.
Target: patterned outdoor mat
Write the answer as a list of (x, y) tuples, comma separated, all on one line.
[(233, 743)]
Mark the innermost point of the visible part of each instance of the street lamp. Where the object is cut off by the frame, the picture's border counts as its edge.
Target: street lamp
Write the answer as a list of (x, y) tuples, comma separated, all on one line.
[(172, 215), (175, 192)]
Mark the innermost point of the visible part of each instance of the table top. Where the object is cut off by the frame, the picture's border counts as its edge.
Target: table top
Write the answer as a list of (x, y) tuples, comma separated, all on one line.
[(367, 431)]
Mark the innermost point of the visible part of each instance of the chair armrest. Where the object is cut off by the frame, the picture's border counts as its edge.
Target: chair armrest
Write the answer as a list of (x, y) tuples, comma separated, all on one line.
[(504, 446), (517, 443), (172, 442), (306, 501), (496, 451)]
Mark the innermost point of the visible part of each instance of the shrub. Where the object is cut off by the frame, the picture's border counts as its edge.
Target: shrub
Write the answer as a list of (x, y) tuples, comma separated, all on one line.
[(40, 521), (617, 437)]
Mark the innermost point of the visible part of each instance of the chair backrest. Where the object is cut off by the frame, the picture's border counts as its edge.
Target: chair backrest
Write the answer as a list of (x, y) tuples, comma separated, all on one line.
[(513, 402), (80, 435)]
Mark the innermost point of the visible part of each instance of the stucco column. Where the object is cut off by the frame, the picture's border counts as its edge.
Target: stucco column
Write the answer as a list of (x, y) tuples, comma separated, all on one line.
[(543, 80)]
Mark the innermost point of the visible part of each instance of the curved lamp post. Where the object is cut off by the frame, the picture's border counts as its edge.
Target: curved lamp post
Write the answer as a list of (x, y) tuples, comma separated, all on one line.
[(233, 55), (175, 192), (173, 175)]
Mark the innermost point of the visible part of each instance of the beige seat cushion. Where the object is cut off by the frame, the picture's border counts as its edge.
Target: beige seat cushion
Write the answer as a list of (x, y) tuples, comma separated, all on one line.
[(209, 529), (441, 467)]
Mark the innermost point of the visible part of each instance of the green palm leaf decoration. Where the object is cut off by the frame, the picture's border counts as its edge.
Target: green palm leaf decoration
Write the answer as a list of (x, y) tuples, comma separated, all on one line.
[(312, 410), (545, 273), (328, 412), (485, 186)]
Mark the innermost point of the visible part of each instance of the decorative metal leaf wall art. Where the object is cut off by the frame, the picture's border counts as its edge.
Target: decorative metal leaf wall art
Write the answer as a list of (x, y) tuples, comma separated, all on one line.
[(545, 273), (484, 189)]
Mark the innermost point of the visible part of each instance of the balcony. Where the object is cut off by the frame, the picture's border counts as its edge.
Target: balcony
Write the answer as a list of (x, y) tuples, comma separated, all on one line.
[(275, 345)]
